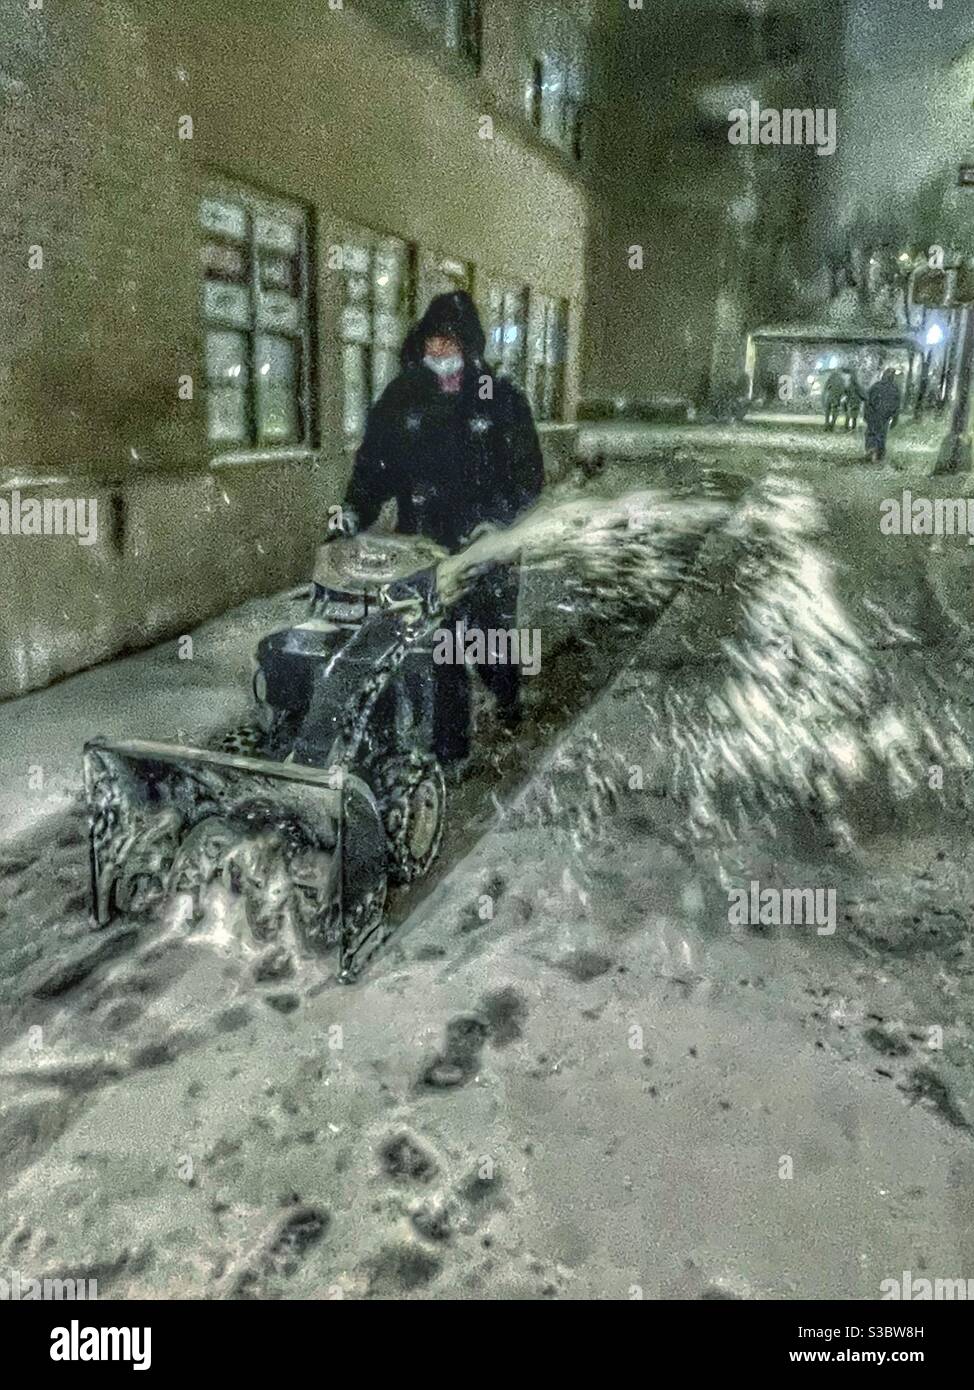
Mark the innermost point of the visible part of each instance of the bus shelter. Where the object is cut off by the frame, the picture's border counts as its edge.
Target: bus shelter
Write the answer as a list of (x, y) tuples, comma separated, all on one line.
[(788, 366)]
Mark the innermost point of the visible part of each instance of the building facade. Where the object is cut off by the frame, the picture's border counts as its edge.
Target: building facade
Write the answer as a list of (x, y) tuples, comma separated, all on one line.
[(219, 218), (696, 239)]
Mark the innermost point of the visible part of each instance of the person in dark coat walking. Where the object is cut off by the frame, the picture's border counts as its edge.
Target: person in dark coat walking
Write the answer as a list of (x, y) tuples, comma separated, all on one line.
[(458, 450), (883, 404), (832, 397), (853, 400)]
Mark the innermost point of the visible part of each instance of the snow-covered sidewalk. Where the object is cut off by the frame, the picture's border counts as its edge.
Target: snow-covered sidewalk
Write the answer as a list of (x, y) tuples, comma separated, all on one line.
[(912, 447), (564, 1077), (178, 690)]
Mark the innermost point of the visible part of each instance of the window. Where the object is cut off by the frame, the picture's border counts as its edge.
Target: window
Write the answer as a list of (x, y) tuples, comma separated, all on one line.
[(554, 105), (385, 285), (255, 263), (572, 127), (376, 305), (456, 24), (536, 93), (549, 355), (440, 274), (465, 30), (506, 324)]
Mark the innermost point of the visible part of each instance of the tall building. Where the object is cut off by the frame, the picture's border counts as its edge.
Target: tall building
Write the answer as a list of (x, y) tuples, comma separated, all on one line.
[(907, 123), (219, 217), (694, 239)]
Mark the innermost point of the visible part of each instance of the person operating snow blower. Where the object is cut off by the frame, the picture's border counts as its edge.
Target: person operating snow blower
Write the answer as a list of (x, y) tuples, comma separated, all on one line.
[(457, 448)]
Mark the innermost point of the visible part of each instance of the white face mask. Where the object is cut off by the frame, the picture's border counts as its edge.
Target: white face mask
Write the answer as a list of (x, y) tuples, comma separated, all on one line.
[(444, 366)]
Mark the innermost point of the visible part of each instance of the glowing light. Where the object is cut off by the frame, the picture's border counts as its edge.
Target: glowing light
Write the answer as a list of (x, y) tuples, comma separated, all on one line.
[(935, 335)]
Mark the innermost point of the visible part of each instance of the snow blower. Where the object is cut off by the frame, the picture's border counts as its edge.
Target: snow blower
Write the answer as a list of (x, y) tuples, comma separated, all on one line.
[(305, 816)]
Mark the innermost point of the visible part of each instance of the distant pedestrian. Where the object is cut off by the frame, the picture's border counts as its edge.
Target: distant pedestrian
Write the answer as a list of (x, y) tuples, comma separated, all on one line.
[(883, 404), (742, 398), (853, 400), (832, 397)]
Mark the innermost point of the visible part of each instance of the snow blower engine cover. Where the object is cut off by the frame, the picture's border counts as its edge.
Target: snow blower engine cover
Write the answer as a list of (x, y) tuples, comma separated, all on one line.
[(365, 564)]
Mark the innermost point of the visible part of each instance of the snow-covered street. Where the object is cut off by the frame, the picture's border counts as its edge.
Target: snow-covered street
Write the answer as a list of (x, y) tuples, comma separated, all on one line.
[(567, 1075)]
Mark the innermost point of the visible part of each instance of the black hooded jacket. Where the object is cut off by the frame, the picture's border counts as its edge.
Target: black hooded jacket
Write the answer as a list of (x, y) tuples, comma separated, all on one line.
[(883, 403), (450, 461)]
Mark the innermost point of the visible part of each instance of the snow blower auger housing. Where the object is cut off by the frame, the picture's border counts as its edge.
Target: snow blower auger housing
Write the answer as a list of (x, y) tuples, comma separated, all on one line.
[(334, 793)]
